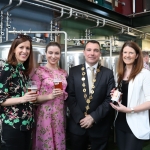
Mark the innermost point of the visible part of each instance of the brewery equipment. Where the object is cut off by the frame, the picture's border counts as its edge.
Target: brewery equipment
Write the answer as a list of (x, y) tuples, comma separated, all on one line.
[(75, 57)]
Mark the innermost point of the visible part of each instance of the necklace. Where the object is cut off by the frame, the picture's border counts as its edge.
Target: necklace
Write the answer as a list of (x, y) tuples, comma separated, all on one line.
[(88, 99)]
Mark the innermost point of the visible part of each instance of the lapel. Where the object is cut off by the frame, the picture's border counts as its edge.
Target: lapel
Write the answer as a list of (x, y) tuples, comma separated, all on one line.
[(130, 91), (98, 76), (86, 81)]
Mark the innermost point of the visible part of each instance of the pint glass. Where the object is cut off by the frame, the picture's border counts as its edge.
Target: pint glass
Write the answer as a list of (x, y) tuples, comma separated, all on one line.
[(58, 84), (31, 86)]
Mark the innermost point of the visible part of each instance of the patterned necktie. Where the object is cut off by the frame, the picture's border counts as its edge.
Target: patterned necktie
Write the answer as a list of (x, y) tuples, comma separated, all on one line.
[(90, 78)]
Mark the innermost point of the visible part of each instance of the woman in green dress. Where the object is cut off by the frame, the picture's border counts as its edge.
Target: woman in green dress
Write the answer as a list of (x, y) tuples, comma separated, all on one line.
[(16, 110)]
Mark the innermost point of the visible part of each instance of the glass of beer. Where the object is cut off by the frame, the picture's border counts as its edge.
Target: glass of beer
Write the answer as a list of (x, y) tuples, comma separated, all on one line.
[(58, 84), (31, 86)]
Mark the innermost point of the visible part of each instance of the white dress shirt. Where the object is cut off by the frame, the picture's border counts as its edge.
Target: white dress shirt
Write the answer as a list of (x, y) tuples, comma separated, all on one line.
[(88, 69)]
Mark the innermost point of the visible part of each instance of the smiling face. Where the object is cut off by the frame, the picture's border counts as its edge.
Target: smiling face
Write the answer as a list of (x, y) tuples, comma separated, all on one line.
[(53, 55), (129, 55), (92, 53), (22, 51)]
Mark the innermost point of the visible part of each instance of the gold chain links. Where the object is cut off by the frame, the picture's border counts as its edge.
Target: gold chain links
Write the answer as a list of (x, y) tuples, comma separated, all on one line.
[(88, 99)]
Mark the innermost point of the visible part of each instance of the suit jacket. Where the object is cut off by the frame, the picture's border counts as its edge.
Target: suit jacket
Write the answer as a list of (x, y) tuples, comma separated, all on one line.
[(100, 108), (138, 93)]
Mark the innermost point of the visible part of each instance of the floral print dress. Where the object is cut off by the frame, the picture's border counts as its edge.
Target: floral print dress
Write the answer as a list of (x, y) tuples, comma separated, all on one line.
[(50, 115), (13, 84)]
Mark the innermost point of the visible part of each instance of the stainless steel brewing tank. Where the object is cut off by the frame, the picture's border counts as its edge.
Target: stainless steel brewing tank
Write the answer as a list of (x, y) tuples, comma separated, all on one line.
[(110, 62), (75, 57), (38, 52)]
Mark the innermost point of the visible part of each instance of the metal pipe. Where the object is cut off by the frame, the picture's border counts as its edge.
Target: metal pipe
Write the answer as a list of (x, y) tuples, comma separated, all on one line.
[(108, 22), (54, 4), (1, 28), (110, 64), (50, 8), (86, 40), (20, 2), (38, 5), (7, 17), (10, 2), (120, 32), (82, 13), (70, 14), (59, 32), (97, 27), (61, 15), (55, 23), (138, 13), (1, 24), (51, 29), (86, 31), (133, 1)]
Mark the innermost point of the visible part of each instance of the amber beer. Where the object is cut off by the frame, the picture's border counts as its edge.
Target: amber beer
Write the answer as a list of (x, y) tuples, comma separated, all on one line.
[(32, 87), (58, 84)]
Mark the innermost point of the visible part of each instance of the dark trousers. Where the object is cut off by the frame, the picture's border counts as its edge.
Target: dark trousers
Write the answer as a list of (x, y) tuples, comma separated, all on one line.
[(127, 141), (14, 139), (80, 142)]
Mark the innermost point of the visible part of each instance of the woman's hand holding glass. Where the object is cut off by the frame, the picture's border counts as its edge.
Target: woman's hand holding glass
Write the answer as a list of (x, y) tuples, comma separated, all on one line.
[(31, 95), (56, 93), (57, 90)]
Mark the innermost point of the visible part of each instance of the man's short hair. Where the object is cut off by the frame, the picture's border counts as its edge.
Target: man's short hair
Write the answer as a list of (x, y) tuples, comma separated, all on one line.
[(145, 53)]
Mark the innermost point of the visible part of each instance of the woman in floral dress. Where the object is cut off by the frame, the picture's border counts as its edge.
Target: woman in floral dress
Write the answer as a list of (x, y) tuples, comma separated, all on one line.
[(16, 111), (50, 114)]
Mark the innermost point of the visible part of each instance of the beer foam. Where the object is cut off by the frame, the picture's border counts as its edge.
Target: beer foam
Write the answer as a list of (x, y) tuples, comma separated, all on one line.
[(57, 80), (32, 88)]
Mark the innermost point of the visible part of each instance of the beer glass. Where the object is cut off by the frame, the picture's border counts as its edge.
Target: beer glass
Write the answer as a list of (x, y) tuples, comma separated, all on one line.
[(31, 86), (58, 84)]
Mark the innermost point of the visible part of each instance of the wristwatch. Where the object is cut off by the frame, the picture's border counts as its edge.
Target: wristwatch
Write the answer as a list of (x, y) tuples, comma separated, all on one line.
[(132, 110)]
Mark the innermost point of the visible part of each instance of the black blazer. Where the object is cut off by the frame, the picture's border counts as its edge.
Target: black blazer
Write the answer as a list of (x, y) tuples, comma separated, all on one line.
[(100, 108)]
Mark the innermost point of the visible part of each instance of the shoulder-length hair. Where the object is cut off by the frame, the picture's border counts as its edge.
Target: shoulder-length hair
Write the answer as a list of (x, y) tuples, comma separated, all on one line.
[(138, 63), (11, 59)]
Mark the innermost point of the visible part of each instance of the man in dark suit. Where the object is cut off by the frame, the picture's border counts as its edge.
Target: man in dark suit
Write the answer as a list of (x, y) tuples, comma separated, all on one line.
[(90, 111)]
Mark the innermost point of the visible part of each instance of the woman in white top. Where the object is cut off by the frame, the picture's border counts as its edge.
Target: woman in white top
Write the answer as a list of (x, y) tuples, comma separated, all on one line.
[(132, 122)]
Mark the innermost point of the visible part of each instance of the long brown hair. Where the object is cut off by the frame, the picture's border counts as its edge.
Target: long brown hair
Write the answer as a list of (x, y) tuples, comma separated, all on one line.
[(138, 63), (11, 59)]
